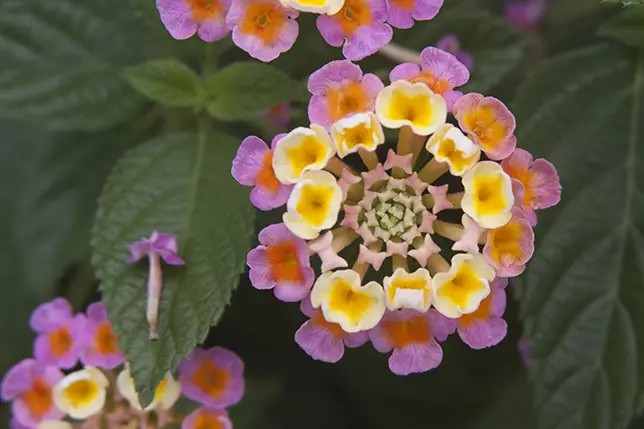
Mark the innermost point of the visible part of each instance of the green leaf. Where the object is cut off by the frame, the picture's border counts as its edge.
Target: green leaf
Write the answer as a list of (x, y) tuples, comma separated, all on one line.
[(168, 82), (46, 212), (627, 27), (626, 2), (242, 89), (61, 63), (178, 184), (584, 290), (497, 49)]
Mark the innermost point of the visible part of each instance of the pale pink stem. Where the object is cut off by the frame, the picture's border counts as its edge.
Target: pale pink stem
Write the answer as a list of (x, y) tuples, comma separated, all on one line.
[(154, 293)]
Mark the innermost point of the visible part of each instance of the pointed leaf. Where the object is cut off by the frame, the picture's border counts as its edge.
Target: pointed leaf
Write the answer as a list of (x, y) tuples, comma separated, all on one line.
[(178, 184), (168, 82), (584, 289), (243, 89)]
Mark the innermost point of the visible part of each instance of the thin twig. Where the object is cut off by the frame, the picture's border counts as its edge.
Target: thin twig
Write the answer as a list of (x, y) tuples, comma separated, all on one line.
[(399, 54)]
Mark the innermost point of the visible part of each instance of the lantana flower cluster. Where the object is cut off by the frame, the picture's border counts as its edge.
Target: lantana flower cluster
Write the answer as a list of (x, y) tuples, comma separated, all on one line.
[(267, 28), (78, 379), (400, 243)]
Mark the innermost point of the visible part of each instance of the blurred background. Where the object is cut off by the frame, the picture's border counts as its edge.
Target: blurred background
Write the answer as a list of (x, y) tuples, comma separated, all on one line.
[(55, 153)]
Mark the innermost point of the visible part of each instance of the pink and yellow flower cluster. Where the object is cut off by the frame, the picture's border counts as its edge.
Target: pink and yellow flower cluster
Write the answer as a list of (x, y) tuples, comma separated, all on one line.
[(267, 28), (358, 243), (78, 379)]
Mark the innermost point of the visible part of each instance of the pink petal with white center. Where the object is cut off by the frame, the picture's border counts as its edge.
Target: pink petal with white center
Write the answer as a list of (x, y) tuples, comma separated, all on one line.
[(398, 161), (440, 198), (350, 219), (330, 259), (410, 234), (347, 179), (416, 184), (365, 233), (375, 259), (469, 241), (367, 200), (427, 224), (422, 254), (376, 175), (397, 248)]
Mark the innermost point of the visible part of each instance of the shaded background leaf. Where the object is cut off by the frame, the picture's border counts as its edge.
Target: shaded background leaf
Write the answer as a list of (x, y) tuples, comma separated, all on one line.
[(57, 68), (583, 291)]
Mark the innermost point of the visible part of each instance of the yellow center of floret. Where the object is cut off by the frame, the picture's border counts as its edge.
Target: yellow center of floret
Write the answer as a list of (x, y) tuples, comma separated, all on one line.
[(462, 285), (489, 194), (362, 134), (414, 108), (406, 283), (447, 149), (81, 392), (506, 247), (314, 3), (309, 151), (314, 204), (159, 392), (483, 123), (344, 299)]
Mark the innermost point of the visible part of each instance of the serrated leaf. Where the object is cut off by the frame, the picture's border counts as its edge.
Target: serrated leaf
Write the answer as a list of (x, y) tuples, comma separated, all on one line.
[(179, 184), (627, 27), (242, 89), (584, 290), (626, 2), (46, 211), (169, 82), (496, 47), (61, 63)]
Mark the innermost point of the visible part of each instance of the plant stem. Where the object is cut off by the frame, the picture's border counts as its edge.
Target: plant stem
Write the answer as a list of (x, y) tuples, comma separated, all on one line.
[(399, 54)]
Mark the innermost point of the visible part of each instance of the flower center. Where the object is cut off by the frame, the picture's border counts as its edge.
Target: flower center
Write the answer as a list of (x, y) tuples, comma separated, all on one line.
[(204, 10), (105, 340), (264, 20), (60, 342), (81, 392), (211, 379), (354, 14), (38, 399)]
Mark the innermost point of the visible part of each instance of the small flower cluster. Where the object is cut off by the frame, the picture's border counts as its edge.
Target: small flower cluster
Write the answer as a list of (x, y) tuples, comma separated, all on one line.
[(78, 379), (267, 28), (354, 202)]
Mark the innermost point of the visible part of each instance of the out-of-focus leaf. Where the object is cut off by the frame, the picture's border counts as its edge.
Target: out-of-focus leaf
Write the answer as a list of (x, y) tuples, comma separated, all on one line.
[(178, 184), (261, 394), (169, 82), (584, 290), (61, 63), (627, 27), (569, 24), (242, 89), (46, 213), (495, 46)]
